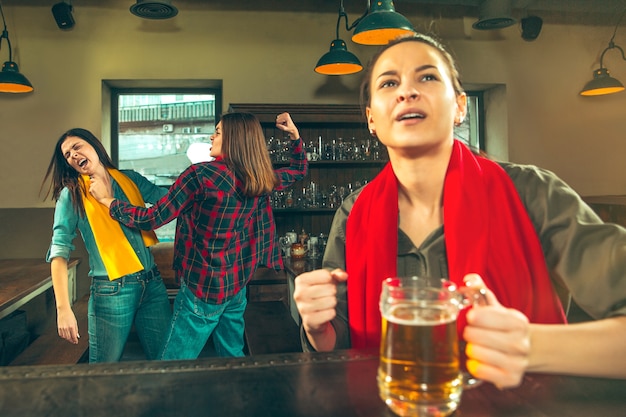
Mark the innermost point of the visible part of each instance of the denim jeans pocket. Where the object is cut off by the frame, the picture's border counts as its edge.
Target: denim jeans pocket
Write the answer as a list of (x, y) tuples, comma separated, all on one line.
[(198, 307), (105, 288)]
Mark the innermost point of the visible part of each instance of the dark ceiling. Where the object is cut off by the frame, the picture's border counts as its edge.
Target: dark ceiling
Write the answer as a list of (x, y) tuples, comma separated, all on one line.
[(590, 12)]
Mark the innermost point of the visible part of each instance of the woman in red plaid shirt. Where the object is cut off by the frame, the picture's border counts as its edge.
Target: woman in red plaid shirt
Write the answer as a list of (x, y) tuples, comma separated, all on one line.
[(225, 229)]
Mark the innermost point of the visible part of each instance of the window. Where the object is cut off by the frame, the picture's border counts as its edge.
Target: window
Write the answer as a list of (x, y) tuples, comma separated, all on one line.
[(152, 130), (470, 130)]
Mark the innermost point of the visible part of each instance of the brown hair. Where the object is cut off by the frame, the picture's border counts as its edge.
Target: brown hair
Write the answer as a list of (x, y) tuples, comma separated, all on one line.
[(245, 151), (63, 175)]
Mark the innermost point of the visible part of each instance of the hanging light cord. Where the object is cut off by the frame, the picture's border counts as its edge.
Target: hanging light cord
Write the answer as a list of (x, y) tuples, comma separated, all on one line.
[(342, 13), (5, 34), (612, 43)]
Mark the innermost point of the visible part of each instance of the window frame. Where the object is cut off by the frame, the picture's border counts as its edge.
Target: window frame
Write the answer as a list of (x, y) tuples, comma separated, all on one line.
[(115, 93), (476, 115)]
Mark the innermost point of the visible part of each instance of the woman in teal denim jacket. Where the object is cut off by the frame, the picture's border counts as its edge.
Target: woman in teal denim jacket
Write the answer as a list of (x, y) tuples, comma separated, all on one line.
[(115, 305)]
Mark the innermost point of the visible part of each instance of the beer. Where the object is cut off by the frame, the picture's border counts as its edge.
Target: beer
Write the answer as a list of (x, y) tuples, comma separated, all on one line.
[(419, 359)]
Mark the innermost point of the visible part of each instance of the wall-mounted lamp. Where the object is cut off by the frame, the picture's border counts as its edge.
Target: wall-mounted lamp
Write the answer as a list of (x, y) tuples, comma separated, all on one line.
[(11, 81), (338, 60), (602, 83), (380, 24), (377, 26)]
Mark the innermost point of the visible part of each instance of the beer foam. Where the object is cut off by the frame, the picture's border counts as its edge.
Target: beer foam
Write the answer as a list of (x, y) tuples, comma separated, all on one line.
[(410, 314)]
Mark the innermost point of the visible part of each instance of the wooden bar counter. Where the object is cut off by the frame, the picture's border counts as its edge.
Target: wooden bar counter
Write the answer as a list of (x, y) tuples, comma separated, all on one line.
[(337, 384)]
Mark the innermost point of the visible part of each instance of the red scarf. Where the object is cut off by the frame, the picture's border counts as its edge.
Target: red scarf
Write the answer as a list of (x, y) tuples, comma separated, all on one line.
[(487, 231)]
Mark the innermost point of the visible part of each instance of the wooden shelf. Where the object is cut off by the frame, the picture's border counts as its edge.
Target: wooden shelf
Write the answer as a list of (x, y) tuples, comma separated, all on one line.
[(330, 122), (304, 113), (338, 164)]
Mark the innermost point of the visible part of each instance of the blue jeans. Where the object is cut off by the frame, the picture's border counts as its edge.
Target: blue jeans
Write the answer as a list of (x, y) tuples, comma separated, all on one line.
[(193, 322), (114, 306)]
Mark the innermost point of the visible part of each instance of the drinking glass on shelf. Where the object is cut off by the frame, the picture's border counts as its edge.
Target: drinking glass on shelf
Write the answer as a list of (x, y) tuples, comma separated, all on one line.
[(367, 150), (293, 236), (285, 244), (322, 240), (313, 248)]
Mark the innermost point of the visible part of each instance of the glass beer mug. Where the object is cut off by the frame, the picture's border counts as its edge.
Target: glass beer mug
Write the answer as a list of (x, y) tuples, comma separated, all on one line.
[(419, 372)]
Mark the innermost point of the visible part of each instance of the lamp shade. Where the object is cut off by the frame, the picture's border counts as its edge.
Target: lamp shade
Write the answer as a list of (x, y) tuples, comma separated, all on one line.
[(11, 81), (338, 60), (381, 25), (601, 84)]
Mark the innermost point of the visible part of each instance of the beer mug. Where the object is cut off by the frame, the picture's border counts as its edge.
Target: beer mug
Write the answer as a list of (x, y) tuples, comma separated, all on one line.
[(419, 372)]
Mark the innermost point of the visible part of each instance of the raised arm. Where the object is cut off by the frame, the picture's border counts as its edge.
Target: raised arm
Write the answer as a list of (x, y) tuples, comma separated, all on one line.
[(298, 164), (284, 123)]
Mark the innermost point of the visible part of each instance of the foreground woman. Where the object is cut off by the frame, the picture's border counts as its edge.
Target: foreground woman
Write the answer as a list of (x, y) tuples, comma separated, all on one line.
[(442, 211)]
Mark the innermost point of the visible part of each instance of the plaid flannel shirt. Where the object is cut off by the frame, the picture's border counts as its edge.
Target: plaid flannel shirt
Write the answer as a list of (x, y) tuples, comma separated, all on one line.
[(221, 235)]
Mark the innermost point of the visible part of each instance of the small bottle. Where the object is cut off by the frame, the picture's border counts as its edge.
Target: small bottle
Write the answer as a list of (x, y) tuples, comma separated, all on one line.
[(303, 237), (320, 148)]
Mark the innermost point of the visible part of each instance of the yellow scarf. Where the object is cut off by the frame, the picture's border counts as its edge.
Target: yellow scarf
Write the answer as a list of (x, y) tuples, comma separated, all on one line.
[(117, 254)]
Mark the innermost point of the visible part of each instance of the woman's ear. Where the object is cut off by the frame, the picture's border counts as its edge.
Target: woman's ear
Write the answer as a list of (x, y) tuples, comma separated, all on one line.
[(461, 109), (370, 122)]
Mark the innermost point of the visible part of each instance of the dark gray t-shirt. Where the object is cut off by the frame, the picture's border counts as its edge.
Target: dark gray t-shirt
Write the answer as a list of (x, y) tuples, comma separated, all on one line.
[(586, 257)]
